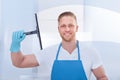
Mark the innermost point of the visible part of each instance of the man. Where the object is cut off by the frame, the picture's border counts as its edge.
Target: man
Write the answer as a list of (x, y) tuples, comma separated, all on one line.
[(69, 60)]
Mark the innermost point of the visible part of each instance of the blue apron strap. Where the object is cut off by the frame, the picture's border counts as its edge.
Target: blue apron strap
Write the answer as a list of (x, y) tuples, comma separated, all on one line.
[(77, 47), (78, 50)]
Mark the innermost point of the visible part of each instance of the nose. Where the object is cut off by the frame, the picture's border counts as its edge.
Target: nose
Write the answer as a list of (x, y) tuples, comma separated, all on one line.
[(67, 28)]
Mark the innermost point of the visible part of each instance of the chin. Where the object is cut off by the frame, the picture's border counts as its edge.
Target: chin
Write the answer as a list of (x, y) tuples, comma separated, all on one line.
[(67, 40)]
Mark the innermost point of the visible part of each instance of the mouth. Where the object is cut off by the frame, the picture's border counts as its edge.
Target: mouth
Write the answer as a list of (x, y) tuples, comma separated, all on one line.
[(67, 35)]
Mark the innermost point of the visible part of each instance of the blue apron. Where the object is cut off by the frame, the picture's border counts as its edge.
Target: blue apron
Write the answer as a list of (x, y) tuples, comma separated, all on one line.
[(68, 69)]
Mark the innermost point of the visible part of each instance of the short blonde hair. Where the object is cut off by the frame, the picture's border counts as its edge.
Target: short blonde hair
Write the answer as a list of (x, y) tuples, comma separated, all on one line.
[(67, 13)]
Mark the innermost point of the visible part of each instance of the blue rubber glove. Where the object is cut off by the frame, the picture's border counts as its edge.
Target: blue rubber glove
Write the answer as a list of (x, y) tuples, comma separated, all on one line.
[(17, 38)]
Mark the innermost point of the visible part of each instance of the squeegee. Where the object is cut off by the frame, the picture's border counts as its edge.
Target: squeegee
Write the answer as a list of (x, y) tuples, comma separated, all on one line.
[(37, 31)]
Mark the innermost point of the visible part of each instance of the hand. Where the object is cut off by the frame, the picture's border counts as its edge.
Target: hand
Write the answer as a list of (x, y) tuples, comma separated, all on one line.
[(17, 38)]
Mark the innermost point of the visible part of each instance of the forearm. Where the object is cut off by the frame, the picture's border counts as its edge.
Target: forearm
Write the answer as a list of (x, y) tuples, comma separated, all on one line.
[(103, 78), (17, 58), (100, 73)]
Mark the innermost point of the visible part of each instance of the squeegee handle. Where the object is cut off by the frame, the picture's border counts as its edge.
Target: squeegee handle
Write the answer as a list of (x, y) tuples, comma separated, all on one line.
[(31, 32)]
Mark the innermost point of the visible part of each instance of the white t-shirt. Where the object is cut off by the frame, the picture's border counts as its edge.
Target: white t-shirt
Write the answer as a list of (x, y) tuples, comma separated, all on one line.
[(88, 55)]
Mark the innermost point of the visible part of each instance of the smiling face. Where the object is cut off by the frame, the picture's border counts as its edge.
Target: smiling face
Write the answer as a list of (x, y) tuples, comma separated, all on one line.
[(67, 27)]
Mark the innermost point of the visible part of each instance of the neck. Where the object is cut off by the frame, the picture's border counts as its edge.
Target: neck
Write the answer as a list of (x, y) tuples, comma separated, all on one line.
[(69, 46)]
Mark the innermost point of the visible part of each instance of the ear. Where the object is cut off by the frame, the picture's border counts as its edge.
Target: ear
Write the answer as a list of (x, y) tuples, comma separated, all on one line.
[(58, 28), (77, 28)]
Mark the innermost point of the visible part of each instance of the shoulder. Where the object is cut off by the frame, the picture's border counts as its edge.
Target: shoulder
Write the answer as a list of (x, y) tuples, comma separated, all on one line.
[(50, 48), (88, 49), (89, 52), (87, 46), (46, 54)]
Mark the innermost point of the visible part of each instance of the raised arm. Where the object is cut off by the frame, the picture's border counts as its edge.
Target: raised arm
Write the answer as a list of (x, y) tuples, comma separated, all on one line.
[(18, 59)]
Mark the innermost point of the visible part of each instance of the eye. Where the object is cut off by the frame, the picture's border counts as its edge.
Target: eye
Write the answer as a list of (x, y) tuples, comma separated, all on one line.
[(71, 26), (62, 26)]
